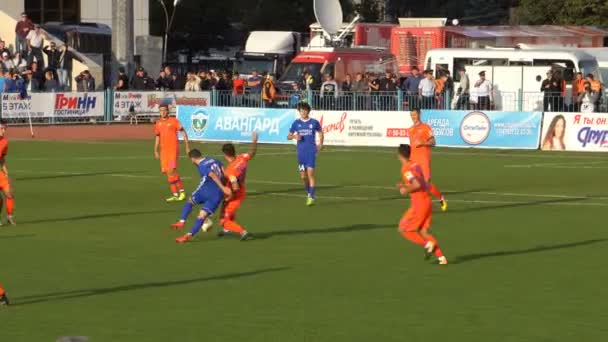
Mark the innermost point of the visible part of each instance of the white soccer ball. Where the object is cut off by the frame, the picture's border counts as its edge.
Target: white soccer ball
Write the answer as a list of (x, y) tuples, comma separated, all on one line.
[(207, 225)]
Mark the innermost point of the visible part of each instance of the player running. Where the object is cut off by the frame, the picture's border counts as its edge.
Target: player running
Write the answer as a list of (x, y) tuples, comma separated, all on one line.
[(209, 193), (3, 296), (304, 131), (421, 141), (166, 130), (416, 221), (5, 184), (235, 178)]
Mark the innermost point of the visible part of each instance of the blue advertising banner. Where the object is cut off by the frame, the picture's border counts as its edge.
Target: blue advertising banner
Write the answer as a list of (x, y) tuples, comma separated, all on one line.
[(236, 124), (519, 130)]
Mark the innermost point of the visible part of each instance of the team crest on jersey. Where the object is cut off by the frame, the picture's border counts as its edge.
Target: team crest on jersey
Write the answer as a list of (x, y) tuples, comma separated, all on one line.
[(200, 121)]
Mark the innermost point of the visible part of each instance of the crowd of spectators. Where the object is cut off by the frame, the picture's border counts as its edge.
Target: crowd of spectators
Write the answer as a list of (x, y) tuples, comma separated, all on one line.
[(24, 69)]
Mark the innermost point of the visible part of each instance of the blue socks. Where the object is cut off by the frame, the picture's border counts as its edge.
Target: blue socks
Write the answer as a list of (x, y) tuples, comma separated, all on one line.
[(186, 211), (311, 192), (196, 227)]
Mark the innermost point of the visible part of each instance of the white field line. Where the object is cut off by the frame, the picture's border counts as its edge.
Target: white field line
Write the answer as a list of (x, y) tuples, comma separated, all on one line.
[(346, 198), (361, 186)]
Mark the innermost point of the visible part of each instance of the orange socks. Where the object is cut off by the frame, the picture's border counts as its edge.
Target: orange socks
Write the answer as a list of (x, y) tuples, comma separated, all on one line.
[(10, 206), (1, 291), (175, 183), (435, 192)]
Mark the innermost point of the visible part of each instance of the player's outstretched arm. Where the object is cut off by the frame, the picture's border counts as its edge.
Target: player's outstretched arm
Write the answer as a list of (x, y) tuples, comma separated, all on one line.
[(156, 144), (186, 141), (254, 145), (321, 140)]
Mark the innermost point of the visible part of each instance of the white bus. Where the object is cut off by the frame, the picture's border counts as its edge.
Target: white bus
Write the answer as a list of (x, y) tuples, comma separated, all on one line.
[(567, 62), (514, 72)]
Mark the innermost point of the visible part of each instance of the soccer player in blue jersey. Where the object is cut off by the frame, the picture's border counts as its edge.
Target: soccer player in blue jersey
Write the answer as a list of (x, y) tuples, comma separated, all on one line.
[(304, 131), (209, 194)]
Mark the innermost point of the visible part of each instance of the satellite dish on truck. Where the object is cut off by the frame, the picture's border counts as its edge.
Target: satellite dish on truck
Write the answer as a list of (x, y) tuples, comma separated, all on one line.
[(329, 15)]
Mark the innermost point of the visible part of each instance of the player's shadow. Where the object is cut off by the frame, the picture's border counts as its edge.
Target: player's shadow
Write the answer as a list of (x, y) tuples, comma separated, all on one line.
[(538, 249), (66, 295), (333, 230), (515, 205), (74, 175), (95, 216)]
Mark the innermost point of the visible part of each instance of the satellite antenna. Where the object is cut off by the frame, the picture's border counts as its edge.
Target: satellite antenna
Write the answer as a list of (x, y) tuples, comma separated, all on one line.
[(329, 15)]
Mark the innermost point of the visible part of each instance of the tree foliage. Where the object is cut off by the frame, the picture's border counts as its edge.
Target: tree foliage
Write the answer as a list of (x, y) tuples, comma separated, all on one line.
[(566, 12)]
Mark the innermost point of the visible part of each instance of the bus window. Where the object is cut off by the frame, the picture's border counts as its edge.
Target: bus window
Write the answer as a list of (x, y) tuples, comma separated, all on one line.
[(591, 67), (520, 63), (563, 67), (440, 70)]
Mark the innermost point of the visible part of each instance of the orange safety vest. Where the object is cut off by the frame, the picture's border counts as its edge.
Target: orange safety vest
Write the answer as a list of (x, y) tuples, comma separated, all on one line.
[(268, 91)]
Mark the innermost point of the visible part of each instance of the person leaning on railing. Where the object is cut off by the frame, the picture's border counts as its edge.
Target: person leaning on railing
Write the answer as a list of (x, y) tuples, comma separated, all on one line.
[(596, 86), (587, 99), (578, 87), (269, 91)]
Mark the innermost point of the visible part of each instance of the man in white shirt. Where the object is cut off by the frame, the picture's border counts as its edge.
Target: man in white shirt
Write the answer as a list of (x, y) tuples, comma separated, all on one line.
[(426, 90), (35, 41), (485, 98)]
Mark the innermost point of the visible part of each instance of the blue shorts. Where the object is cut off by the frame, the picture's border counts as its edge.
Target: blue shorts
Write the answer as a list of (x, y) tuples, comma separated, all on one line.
[(208, 202), (306, 161)]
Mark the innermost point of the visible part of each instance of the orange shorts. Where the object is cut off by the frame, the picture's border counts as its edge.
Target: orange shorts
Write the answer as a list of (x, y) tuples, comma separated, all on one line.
[(5, 185), (168, 162), (417, 217), (230, 208)]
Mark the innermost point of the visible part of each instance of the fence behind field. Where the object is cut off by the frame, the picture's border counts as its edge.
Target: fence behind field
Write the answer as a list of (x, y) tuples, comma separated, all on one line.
[(112, 106)]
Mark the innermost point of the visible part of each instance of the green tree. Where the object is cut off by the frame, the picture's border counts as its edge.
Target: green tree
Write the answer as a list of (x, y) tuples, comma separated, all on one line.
[(484, 12), (567, 12)]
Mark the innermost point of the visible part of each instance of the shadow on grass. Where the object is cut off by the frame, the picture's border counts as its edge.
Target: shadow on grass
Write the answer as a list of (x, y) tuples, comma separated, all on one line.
[(514, 205), (537, 249), (97, 216), (344, 229), (65, 295), (75, 175), (18, 236)]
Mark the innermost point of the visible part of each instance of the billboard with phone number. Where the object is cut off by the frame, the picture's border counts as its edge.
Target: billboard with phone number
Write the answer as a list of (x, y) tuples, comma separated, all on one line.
[(480, 129), (236, 124)]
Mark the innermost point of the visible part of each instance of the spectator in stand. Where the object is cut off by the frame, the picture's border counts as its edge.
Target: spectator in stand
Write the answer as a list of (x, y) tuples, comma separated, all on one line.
[(193, 83), (14, 83), (440, 90), (222, 83), (35, 41), (463, 91), (238, 84), (53, 55), (66, 65), (168, 79), (254, 82), (50, 83), (3, 48), (85, 82), (31, 84), (22, 29), (269, 92), (19, 62), (347, 85), (449, 85), (387, 83), (142, 82), (485, 97), (578, 87), (160, 81), (179, 82), (426, 90), (205, 81), (2, 81), (122, 80), (587, 99), (374, 89), (359, 85), (7, 62), (37, 74), (596, 86), (410, 87), (551, 88), (329, 88)]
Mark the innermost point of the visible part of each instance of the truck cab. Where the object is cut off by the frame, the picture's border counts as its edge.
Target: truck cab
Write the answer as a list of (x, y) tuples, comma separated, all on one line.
[(268, 52)]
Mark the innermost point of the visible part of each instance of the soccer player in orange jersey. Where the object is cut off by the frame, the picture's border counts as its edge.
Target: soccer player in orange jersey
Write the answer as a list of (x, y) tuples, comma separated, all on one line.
[(235, 178), (416, 221), (166, 130), (3, 296), (5, 184), (421, 142)]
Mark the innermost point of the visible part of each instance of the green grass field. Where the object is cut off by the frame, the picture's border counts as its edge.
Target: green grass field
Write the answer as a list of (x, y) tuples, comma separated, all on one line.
[(93, 255)]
